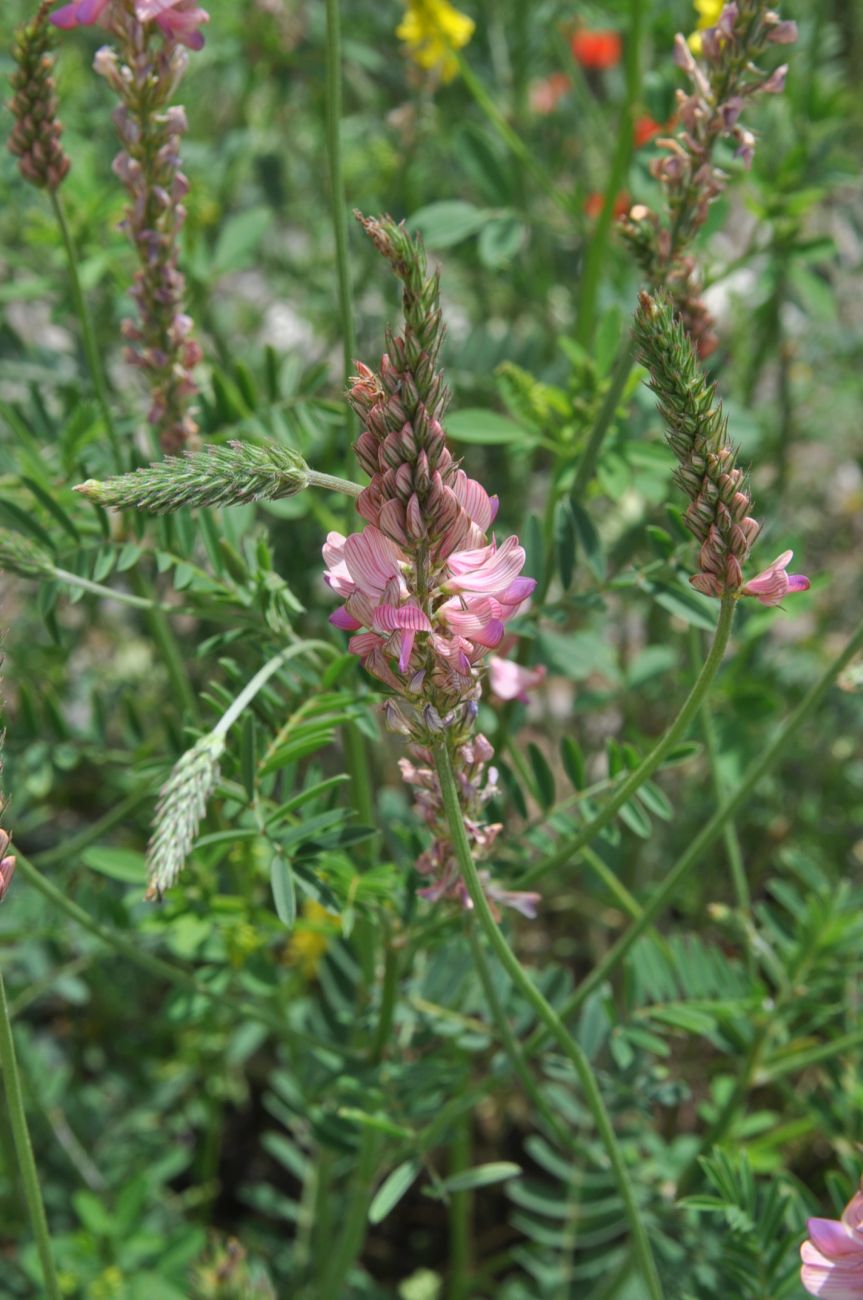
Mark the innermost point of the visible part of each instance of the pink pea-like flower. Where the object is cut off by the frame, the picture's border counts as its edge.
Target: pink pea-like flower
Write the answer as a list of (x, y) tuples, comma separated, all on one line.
[(510, 681), (177, 18), (833, 1254), (773, 584), (82, 13)]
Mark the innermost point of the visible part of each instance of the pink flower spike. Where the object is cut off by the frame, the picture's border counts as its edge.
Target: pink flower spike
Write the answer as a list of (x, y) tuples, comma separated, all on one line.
[(509, 681), (773, 584)]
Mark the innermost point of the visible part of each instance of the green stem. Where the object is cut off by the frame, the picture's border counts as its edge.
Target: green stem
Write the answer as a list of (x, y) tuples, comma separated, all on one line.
[(654, 759), (24, 1149), (531, 1088), (729, 833), (91, 347), (97, 589), (337, 183), (332, 483), (335, 1276), (597, 249), (694, 854), (551, 1022), (510, 138), (619, 379), (389, 990), (460, 1207)]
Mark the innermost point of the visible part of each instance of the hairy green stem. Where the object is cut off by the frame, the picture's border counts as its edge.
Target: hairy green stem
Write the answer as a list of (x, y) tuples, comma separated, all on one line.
[(597, 249), (332, 483), (694, 854), (98, 589), (91, 347), (654, 759), (24, 1149), (550, 1020)]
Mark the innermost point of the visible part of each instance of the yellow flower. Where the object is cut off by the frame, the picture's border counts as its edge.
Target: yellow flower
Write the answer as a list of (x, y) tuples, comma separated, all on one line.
[(709, 12), (433, 30), (311, 938)]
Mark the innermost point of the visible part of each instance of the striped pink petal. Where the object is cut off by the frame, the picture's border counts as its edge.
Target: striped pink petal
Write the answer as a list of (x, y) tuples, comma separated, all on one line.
[(372, 560), (473, 499), (389, 618), (494, 575)]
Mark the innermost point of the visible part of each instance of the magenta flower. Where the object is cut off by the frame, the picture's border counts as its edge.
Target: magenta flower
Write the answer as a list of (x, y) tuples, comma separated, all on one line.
[(179, 19), (509, 681), (773, 584), (81, 13), (833, 1254)]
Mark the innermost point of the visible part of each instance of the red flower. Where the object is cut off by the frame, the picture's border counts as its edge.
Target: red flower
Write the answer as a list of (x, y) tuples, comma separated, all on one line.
[(593, 204), (645, 129), (596, 49)]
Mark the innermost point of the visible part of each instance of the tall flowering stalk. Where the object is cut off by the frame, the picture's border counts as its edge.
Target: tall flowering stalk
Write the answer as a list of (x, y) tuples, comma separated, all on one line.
[(144, 74), (722, 81), (35, 138), (426, 592), (720, 502)]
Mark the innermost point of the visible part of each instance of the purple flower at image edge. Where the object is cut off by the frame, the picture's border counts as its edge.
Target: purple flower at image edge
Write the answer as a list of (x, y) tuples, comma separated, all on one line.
[(833, 1254)]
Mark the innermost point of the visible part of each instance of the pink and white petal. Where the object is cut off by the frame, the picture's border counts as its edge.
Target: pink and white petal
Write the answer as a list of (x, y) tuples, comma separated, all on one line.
[(467, 561), (495, 575), (798, 582), (832, 1238), (491, 635)]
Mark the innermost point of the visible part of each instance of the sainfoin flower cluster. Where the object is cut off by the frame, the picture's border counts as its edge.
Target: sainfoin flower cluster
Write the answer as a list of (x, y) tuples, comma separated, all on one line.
[(144, 74), (832, 1255), (722, 82), (427, 591), (719, 514), (35, 137)]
